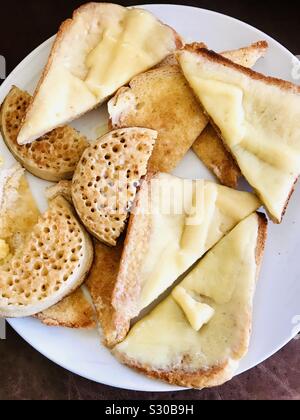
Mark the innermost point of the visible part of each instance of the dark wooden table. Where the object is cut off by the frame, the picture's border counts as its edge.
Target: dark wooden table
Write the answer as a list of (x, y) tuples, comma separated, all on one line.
[(24, 373)]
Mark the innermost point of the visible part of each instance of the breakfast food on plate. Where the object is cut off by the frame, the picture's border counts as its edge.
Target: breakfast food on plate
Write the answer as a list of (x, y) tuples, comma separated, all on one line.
[(95, 53), (100, 283), (49, 265), (106, 180), (173, 224), (258, 118), (74, 311), (171, 290), (161, 99), (197, 336), (54, 156)]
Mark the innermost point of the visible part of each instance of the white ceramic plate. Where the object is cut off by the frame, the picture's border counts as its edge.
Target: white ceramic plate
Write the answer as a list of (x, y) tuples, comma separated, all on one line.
[(277, 299)]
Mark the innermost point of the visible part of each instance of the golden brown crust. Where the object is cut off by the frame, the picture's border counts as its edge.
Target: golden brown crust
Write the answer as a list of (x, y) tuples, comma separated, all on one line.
[(171, 59), (215, 376), (100, 283), (72, 312), (286, 204), (210, 149), (128, 287), (261, 240), (217, 58), (259, 45), (247, 56)]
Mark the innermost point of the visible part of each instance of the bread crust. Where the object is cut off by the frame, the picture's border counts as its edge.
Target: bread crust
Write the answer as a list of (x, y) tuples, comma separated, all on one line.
[(74, 311), (127, 288), (217, 58), (100, 283)]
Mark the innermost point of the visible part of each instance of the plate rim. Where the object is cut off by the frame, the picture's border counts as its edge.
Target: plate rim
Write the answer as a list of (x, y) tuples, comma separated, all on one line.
[(4, 87)]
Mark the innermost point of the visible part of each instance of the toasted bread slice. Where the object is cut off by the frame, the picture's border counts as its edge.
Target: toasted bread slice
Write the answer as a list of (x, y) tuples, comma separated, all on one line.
[(173, 224), (106, 180), (209, 146), (162, 100), (18, 212), (258, 118), (74, 311), (210, 149), (247, 56), (100, 283), (50, 265), (54, 156), (197, 336), (95, 53)]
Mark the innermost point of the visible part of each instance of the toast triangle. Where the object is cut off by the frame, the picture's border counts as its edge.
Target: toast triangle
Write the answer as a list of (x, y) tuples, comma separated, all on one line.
[(258, 118), (163, 240), (74, 311), (94, 54), (164, 345), (209, 146)]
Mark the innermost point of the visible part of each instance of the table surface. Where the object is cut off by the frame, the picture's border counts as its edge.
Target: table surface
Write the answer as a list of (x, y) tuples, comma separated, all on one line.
[(25, 374)]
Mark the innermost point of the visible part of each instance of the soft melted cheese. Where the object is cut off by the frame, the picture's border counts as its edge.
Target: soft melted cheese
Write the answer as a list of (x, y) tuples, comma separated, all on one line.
[(197, 313), (229, 111), (133, 46), (259, 123), (128, 43), (188, 218), (225, 280)]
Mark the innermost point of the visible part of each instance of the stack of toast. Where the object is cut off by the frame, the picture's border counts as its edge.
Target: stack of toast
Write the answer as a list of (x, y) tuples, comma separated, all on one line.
[(166, 267)]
